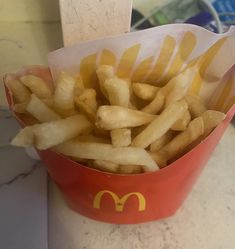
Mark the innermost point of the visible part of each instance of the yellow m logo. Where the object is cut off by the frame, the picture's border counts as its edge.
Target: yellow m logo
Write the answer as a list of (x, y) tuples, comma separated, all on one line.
[(119, 202)]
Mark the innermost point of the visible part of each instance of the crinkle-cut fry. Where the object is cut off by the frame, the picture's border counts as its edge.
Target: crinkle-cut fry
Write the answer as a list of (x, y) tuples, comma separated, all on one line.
[(24, 138), (38, 109), (104, 72), (98, 151), (156, 104), (145, 91), (178, 145), (182, 123), (115, 117), (79, 85), (118, 91), (64, 94), (160, 125), (86, 102), (106, 166), (121, 137), (178, 86), (37, 86), (160, 142), (195, 105), (20, 92), (211, 119), (129, 169)]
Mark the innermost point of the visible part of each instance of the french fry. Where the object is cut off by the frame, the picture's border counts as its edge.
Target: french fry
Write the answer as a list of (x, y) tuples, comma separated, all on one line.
[(49, 134), (24, 138), (20, 92), (182, 123), (195, 105), (104, 72), (160, 142), (105, 166), (91, 138), (121, 137), (64, 94), (211, 119), (106, 152), (178, 86), (86, 102), (179, 143), (40, 110), (79, 86), (129, 169), (115, 117), (145, 91), (20, 108), (37, 86), (117, 91), (160, 125), (156, 105)]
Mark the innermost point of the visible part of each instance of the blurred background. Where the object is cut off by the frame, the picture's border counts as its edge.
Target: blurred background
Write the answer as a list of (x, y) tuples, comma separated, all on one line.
[(29, 29)]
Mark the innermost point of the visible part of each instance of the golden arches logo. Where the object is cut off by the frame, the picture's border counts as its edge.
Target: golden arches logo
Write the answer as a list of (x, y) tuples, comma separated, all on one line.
[(119, 201)]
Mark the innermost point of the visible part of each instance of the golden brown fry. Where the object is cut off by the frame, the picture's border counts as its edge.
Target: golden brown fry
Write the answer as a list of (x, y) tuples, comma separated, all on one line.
[(179, 143), (92, 138), (37, 86), (20, 92), (145, 91), (38, 109), (117, 91), (160, 142), (211, 119), (64, 94), (182, 123), (104, 72), (98, 151), (87, 103), (195, 105), (121, 137), (20, 108), (156, 105), (160, 125), (129, 169), (106, 166), (115, 117), (178, 86)]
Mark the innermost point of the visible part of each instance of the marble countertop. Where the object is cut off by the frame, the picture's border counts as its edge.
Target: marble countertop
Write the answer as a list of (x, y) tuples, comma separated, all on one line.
[(205, 221)]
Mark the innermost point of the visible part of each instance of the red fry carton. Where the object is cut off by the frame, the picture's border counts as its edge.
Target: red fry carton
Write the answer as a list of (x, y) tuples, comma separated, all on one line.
[(155, 55)]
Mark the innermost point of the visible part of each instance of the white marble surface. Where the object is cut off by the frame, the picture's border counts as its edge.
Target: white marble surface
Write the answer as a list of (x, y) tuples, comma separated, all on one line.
[(205, 221), (23, 194)]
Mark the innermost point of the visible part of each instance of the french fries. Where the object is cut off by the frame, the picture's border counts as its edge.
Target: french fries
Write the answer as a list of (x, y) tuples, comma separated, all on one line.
[(119, 127), (86, 102), (20, 92), (98, 151), (117, 91), (178, 144), (121, 137), (145, 91), (160, 125), (115, 117), (156, 105), (38, 109), (64, 94), (104, 72), (182, 123), (37, 86), (49, 134), (195, 105)]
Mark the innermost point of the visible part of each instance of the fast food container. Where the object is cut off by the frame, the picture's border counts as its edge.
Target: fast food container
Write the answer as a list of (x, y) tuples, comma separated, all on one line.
[(144, 56)]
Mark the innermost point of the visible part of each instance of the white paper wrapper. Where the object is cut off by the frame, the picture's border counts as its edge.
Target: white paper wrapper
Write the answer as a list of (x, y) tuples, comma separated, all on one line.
[(156, 55)]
